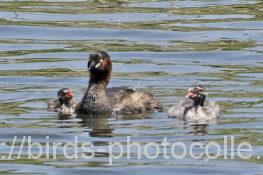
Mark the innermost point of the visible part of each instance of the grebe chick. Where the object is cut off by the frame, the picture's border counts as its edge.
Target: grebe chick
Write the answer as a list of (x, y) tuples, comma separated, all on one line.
[(195, 106), (64, 103)]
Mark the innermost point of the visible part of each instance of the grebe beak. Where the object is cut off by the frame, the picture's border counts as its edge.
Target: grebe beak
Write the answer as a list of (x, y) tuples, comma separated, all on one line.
[(91, 65)]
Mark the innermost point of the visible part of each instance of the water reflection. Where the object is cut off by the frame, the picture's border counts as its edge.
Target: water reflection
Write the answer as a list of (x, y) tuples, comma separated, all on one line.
[(201, 122), (99, 125), (62, 116), (199, 129)]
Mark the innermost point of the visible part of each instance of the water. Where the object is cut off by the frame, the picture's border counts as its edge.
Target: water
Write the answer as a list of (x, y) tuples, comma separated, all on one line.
[(163, 47)]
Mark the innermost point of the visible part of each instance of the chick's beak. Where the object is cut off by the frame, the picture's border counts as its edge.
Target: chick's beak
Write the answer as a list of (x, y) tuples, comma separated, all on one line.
[(59, 94)]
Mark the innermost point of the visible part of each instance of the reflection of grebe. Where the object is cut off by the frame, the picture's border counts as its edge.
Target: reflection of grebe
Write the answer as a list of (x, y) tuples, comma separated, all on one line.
[(98, 124), (119, 100), (195, 106), (65, 103), (199, 129)]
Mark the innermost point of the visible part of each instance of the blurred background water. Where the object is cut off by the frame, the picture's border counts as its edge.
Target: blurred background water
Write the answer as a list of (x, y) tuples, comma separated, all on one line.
[(163, 47)]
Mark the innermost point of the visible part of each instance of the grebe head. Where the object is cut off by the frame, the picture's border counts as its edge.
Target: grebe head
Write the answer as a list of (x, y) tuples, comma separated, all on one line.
[(65, 95), (99, 62), (197, 94)]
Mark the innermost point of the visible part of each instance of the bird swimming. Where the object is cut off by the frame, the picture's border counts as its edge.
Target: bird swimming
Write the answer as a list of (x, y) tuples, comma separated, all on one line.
[(98, 99), (64, 103), (195, 106)]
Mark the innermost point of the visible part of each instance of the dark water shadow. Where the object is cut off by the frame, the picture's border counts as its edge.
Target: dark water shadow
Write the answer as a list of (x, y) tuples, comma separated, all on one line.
[(199, 127), (99, 125)]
